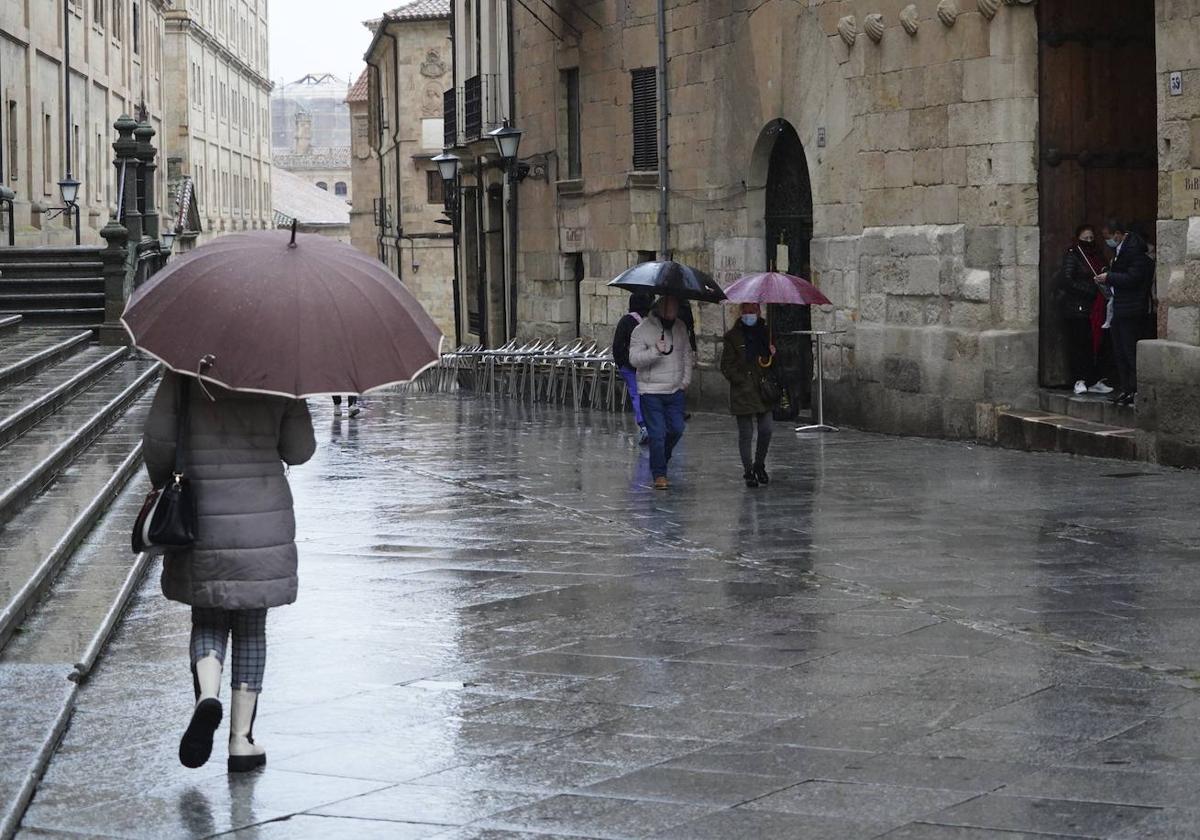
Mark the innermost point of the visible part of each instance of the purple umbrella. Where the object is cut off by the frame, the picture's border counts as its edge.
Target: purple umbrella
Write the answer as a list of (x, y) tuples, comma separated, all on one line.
[(775, 287), (252, 312)]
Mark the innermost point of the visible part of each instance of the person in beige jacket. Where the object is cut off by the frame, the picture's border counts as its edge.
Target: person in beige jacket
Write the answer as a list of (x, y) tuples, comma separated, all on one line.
[(661, 353)]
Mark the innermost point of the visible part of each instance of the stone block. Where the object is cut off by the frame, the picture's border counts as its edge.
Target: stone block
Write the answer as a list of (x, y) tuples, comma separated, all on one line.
[(1028, 241), (927, 167), (939, 205), (954, 165), (1193, 238), (898, 169), (1183, 325), (924, 276), (975, 285), (902, 374), (1172, 244), (929, 128)]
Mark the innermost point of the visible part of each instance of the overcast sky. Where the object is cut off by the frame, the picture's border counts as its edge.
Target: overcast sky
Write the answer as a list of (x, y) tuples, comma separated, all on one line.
[(321, 36)]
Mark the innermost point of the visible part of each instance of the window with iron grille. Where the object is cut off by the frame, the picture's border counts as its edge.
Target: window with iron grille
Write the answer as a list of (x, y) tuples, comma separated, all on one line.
[(645, 120), (571, 88), (435, 188)]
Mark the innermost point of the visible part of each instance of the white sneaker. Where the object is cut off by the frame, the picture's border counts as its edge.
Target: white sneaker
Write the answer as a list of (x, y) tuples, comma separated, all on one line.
[(1100, 388), (1081, 387)]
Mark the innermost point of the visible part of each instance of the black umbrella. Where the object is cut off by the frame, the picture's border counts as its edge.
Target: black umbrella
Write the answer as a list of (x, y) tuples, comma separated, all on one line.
[(670, 278)]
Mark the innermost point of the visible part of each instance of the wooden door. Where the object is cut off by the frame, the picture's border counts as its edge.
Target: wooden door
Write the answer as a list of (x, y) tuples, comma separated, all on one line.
[(1097, 140)]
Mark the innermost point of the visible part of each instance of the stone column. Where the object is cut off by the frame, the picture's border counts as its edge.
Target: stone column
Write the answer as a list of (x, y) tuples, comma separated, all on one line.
[(146, 154), (116, 288), (126, 162)]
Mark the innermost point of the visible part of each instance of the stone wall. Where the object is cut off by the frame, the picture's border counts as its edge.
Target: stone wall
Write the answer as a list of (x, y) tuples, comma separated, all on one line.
[(921, 150)]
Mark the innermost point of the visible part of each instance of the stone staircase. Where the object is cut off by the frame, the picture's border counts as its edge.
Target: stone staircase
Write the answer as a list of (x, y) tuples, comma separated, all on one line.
[(53, 286), (1088, 424), (71, 414)]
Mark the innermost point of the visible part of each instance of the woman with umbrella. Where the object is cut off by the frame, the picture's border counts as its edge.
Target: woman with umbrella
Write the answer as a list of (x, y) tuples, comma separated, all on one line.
[(244, 348), (746, 358), (661, 351)]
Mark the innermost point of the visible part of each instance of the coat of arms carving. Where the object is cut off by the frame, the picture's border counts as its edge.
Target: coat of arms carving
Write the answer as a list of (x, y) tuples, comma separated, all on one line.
[(433, 67)]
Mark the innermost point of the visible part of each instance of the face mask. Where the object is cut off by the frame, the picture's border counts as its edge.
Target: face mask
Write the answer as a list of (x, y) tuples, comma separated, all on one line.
[(749, 319), (1087, 243), (1112, 243)]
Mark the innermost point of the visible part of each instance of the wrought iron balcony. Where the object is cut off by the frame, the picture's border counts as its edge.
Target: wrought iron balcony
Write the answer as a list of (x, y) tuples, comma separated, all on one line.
[(473, 109), (450, 119)]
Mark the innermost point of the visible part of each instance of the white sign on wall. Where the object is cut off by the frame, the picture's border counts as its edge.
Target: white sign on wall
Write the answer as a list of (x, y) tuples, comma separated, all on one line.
[(1175, 85)]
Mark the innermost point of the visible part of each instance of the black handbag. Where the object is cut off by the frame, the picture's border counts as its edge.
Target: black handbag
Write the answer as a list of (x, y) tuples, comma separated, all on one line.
[(769, 388), (168, 520)]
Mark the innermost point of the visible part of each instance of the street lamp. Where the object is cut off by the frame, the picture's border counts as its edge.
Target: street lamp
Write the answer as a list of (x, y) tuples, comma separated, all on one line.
[(68, 189), (168, 240), (508, 140), (447, 164)]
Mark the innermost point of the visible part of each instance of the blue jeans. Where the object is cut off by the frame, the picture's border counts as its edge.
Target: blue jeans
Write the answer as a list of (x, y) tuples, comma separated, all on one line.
[(630, 377), (664, 423)]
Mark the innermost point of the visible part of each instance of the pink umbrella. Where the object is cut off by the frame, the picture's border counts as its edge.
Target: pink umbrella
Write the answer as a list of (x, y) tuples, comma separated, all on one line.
[(775, 287)]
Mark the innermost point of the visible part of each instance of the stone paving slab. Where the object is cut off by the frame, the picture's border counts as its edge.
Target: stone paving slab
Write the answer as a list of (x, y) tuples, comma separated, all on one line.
[(504, 634)]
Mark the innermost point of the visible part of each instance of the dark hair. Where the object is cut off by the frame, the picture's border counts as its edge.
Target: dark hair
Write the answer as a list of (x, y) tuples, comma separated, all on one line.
[(1115, 225), (1079, 230)]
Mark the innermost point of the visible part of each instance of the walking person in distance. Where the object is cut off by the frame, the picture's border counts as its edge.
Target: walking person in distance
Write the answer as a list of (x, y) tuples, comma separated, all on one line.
[(745, 359), (639, 308), (660, 351), (244, 559)]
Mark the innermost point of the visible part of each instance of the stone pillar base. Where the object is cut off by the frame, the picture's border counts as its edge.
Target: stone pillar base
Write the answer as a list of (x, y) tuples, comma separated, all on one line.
[(114, 335), (1168, 407)]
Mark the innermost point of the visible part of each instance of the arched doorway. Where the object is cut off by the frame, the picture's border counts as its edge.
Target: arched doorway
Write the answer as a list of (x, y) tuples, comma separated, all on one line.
[(788, 221)]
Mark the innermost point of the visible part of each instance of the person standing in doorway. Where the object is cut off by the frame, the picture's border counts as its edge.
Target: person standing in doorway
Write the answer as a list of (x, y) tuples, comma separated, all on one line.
[(745, 358), (639, 308), (660, 352), (1129, 276), (1083, 308), (351, 404)]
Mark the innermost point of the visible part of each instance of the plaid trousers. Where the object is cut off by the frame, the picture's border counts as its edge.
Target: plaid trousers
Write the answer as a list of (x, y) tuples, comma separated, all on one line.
[(211, 628)]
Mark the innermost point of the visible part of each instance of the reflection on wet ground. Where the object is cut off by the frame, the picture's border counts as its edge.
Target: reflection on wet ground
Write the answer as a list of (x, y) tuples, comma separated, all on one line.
[(503, 633)]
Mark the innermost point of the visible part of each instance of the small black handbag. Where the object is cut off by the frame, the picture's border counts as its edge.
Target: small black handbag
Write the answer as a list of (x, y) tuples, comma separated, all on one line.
[(167, 520), (769, 386)]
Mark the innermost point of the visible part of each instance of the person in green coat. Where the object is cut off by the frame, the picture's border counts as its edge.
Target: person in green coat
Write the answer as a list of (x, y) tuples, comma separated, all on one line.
[(747, 355)]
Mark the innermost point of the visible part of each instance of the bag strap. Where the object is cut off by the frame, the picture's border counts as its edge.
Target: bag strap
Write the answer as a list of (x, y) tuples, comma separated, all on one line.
[(182, 412)]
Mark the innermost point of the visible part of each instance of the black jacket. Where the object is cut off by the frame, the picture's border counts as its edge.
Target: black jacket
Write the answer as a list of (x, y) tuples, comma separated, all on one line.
[(1131, 277), (620, 345), (1077, 283)]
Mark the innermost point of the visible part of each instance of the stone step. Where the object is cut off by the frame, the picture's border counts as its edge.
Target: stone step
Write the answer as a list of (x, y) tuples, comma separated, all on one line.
[(39, 540), (38, 457), (21, 360), (50, 255), (1043, 431), (57, 316), (8, 323), (21, 286), (37, 270), (1096, 408), (60, 641), (23, 406)]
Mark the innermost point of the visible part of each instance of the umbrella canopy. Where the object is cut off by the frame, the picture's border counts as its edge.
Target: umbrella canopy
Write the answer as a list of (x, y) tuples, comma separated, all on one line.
[(775, 287), (251, 312), (670, 278)]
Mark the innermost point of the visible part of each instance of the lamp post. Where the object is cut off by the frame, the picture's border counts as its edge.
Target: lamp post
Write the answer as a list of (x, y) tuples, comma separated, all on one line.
[(168, 240), (508, 141), (7, 198), (447, 163)]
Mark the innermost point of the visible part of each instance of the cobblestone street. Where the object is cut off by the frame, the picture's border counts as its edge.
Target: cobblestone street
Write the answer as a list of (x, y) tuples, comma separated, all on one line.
[(504, 634)]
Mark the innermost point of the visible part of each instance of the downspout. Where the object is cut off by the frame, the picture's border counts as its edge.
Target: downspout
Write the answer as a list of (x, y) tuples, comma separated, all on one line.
[(453, 210), (382, 219), (513, 208), (664, 168), (396, 145), (67, 86)]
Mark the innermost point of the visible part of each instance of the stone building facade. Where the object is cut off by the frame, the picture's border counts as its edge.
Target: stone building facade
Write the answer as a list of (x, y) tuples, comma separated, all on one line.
[(117, 55), (218, 133), (310, 131), (397, 128), (924, 162)]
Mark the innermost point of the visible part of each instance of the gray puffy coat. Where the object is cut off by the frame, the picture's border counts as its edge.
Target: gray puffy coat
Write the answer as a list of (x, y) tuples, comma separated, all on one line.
[(245, 554)]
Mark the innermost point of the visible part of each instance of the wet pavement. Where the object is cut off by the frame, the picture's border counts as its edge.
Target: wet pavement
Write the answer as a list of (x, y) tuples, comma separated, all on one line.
[(504, 634)]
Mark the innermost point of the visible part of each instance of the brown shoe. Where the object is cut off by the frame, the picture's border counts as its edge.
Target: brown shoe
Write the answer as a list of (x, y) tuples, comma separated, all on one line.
[(660, 483)]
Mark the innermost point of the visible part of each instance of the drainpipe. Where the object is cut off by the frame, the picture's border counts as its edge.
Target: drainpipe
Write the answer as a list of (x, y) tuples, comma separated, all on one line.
[(67, 86), (396, 145), (513, 208), (664, 169), (379, 155)]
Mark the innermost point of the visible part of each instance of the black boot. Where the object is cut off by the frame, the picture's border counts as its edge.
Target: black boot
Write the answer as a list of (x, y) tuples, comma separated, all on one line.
[(760, 472), (751, 481)]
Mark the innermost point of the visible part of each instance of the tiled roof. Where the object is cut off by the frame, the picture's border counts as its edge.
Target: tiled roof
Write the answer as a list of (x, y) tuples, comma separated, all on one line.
[(296, 198), (358, 91), (416, 10)]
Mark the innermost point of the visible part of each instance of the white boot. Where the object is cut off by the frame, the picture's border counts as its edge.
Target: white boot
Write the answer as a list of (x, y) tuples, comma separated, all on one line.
[(244, 754), (196, 744)]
